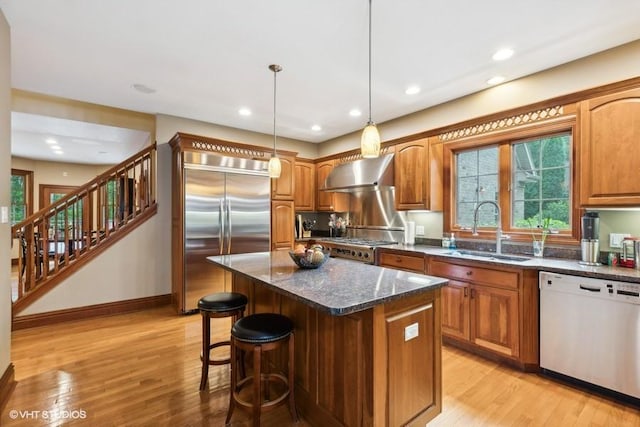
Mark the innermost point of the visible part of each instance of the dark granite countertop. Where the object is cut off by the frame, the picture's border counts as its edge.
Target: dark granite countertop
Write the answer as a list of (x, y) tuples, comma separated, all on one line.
[(338, 287), (554, 265)]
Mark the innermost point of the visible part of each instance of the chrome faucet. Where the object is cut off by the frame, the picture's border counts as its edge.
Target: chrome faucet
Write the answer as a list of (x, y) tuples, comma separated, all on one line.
[(499, 235)]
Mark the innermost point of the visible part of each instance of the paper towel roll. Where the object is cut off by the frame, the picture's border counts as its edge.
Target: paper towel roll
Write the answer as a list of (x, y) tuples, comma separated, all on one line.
[(410, 233)]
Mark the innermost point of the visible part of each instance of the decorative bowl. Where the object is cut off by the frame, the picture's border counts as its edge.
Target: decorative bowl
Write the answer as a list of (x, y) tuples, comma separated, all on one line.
[(303, 261)]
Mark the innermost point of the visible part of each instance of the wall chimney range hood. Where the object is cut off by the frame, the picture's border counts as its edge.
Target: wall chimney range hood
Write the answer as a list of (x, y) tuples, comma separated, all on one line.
[(361, 175)]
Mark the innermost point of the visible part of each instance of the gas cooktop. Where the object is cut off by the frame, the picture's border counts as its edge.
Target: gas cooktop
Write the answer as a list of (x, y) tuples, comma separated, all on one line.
[(358, 249)]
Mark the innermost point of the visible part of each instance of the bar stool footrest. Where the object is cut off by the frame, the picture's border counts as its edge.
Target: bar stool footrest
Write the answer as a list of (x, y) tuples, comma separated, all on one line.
[(268, 404)]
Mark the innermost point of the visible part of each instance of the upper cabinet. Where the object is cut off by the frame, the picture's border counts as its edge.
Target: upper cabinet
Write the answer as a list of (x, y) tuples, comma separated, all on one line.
[(609, 155), (305, 185), (418, 175), (283, 188), (328, 201)]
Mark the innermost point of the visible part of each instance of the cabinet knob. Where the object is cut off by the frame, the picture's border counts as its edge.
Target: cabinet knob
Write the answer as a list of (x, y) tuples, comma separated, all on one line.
[(469, 272), (398, 260)]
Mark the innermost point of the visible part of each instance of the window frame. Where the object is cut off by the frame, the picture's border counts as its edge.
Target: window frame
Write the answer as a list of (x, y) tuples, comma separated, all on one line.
[(28, 195), (504, 140)]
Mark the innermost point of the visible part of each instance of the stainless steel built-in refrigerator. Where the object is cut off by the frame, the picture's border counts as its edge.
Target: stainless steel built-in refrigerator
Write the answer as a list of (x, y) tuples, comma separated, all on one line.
[(227, 211)]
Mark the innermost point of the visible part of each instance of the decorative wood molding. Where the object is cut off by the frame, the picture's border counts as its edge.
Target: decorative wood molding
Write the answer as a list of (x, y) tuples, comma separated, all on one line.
[(504, 123), (355, 154), (226, 149), (189, 142), (117, 307), (7, 384)]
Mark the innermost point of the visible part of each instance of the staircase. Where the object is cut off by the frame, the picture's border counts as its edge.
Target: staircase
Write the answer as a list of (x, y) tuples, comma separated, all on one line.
[(64, 236)]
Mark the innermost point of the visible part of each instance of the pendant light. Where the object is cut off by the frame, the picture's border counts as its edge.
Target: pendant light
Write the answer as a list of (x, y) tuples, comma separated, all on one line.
[(370, 141), (275, 168)]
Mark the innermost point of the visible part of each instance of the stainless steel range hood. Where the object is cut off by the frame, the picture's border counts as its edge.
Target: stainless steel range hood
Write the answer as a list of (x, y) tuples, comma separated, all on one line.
[(361, 175)]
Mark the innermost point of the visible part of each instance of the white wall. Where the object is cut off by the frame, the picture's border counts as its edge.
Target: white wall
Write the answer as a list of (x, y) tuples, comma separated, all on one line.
[(5, 198), (167, 126)]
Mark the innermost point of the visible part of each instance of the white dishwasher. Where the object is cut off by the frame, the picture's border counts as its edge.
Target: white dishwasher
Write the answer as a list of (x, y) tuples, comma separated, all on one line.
[(590, 330)]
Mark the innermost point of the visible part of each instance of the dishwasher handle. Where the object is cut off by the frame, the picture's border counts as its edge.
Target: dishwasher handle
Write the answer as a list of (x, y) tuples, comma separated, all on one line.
[(590, 289)]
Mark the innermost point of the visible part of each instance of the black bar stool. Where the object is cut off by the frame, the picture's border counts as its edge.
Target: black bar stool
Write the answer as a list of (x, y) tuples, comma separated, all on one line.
[(218, 305), (259, 333)]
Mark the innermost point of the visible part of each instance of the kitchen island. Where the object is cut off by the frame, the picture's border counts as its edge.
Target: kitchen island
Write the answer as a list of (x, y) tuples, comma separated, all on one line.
[(368, 339)]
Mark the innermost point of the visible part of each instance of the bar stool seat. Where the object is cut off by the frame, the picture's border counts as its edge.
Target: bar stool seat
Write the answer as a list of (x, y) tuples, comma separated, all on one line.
[(258, 333), (218, 305)]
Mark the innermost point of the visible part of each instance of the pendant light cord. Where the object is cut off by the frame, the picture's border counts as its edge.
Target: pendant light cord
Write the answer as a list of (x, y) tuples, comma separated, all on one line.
[(370, 122), (275, 71)]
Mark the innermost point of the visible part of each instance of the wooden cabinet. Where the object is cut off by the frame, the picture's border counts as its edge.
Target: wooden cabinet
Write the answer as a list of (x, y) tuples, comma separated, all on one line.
[(418, 172), (490, 309), (305, 186), (327, 201), (455, 309), (283, 188), (282, 225), (609, 156), (401, 261)]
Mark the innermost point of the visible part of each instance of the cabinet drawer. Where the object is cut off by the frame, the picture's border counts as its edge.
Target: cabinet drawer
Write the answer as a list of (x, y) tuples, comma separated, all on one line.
[(403, 262), (500, 278)]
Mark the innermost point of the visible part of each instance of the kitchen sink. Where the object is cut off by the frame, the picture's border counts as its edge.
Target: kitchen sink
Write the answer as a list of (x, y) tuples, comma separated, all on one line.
[(489, 255)]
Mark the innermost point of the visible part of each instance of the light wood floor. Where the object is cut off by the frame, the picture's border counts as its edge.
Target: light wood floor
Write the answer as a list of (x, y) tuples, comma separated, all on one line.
[(143, 369)]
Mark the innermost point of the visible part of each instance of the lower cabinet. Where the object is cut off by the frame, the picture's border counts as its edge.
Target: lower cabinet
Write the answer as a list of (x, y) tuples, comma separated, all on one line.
[(490, 310), (455, 309)]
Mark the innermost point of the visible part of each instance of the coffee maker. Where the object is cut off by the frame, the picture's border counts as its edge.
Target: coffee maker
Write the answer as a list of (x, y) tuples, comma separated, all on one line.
[(590, 243)]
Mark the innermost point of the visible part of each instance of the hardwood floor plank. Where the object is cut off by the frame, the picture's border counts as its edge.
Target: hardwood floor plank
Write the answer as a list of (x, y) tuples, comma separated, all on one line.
[(143, 369)]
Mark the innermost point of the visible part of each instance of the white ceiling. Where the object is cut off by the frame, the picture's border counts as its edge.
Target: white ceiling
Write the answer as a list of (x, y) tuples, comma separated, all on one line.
[(208, 58)]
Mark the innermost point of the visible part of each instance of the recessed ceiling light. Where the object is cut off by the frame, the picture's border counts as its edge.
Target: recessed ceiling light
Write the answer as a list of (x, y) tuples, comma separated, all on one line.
[(316, 128), (55, 147), (58, 152), (244, 112), (502, 54), (355, 113), (50, 141), (412, 90), (495, 80), (143, 88)]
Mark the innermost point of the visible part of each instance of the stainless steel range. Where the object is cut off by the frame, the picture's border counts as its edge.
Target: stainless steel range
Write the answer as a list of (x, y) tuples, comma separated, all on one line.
[(358, 249)]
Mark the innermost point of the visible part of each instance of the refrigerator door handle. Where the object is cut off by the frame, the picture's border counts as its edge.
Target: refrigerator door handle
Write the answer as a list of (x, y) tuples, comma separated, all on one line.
[(228, 226), (221, 227)]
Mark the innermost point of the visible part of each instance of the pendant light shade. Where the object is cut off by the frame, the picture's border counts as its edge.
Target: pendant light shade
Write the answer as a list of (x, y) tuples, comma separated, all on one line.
[(370, 141), (275, 168)]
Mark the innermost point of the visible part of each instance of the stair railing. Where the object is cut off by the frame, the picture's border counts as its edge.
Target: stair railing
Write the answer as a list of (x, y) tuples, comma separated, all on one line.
[(60, 235)]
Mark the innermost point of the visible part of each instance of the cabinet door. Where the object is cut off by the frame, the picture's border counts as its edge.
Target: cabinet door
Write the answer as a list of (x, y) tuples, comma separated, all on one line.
[(283, 188), (494, 319), (325, 200), (418, 175), (455, 309), (282, 225), (305, 186), (610, 131)]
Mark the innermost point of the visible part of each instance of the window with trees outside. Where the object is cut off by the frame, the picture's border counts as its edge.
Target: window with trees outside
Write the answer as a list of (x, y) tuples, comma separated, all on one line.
[(530, 179), (21, 195)]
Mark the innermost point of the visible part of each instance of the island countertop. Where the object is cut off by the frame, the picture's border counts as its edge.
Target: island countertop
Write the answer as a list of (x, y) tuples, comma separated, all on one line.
[(338, 287)]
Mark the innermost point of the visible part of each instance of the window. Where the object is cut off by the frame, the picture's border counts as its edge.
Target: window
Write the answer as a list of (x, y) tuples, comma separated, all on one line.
[(21, 195), (541, 182), (477, 181), (528, 174)]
